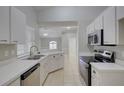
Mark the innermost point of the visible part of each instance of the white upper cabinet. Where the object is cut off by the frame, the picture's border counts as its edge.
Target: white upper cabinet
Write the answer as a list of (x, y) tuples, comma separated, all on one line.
[(98, 23), (4, 25), (18, 26), (90, 28), (30, 34), (110, 26), (120, 25), (120, 12)]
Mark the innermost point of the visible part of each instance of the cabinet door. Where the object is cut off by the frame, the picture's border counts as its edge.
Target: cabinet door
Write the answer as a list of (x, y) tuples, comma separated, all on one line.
[(94, 77), (43, 72), (48, 66), (4, 24), (92, 27), (88, 30), (53, 62), (59, 61), (120, 12), (30, 34), (99, 23), (110, 26), (18, 26)]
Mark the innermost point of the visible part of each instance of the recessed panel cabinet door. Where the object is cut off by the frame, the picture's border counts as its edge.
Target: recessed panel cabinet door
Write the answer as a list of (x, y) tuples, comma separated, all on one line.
[(18, 26), (99, 23), (110, 26), (120, 12), (4, 24)]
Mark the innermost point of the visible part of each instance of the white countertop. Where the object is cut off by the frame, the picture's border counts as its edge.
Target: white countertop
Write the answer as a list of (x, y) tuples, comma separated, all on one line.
[(109, 67), (51, 53), (13, 68), (86, 54)]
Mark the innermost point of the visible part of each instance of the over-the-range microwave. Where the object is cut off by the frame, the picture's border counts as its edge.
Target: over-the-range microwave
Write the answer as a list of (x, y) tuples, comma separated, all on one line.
[(96, 38)]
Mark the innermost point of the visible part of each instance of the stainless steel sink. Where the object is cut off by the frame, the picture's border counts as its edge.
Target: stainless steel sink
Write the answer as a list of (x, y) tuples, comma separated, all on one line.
[(35, 57)]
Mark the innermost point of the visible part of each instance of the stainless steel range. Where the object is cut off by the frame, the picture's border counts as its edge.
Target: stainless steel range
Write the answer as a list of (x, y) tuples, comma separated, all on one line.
[(100, 56)]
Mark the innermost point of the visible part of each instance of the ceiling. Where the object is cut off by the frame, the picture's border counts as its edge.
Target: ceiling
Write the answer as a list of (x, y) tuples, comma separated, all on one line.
[(53, 20), (41, 8), (57, 31), (67, 13)]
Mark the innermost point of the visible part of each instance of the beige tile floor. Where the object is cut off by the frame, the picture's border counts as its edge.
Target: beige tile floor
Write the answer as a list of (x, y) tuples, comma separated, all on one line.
[(69, 76)]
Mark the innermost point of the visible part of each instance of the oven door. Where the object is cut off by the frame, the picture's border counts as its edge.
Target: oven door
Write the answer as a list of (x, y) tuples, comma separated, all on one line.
[(83, 67)]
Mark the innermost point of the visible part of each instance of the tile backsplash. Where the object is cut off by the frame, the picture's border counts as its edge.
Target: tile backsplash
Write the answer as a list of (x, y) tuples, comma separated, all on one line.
[(7, 51), (118, 49)]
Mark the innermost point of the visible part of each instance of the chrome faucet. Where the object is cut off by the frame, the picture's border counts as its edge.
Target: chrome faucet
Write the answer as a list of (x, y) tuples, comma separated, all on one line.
[(31, 48)]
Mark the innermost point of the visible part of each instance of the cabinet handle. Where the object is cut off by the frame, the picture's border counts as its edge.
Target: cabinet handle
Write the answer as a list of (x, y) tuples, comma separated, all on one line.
[(53, 56), (3, 40)]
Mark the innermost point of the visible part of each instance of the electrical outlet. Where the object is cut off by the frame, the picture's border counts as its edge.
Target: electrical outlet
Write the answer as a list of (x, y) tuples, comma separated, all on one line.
[(6, 53)]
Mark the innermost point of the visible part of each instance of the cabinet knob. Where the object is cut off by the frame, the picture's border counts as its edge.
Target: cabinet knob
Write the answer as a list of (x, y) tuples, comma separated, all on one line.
[(53, 56)]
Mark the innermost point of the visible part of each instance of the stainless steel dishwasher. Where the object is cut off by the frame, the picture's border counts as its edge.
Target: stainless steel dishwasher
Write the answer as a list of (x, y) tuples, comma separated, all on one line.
[(31, 77)]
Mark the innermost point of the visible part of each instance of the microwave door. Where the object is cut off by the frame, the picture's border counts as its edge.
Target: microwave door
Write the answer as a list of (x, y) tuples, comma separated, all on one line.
[(96, 39), (89, 39)]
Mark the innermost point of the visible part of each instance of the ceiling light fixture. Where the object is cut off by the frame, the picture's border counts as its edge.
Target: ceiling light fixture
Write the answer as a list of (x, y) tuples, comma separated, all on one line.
[(68, 27), (45, 34)]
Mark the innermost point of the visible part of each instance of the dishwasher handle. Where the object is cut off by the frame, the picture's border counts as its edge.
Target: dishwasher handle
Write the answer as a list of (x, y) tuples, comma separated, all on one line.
[(27, 73)]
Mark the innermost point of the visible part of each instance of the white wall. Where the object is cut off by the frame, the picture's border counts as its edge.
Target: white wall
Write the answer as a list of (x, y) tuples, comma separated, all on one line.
[(44, 43)]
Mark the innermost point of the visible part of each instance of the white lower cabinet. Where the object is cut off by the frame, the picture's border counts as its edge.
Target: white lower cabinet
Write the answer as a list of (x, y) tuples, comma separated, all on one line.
[(54, 62), (43, 72), (107, 78), (50, 64), (15, 82), (59, 61), (94, 77)]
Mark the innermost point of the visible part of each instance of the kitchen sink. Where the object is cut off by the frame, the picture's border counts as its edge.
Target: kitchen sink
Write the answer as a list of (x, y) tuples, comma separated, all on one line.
[(35, 57)]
